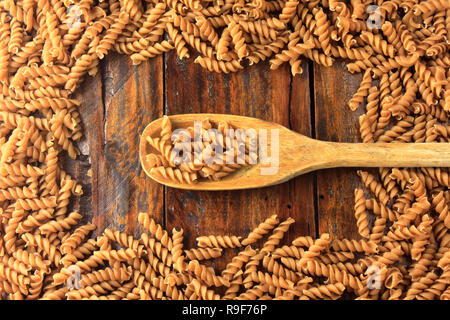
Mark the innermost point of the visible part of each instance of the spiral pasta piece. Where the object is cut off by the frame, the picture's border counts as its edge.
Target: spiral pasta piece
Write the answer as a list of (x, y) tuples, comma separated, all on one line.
[(207, 31), (155, 229), (32, 259), (205, 275), (333, 274), (218, 241), (322, 30), (124, 240), (112, 34), (430, 6), (315, 250), (218, 66), (62, 224), (325, 292), (237, 263), (440, 204), (375, 187), (288, 11), (16, 265), (261, 230), (362, 91), (360, 213), (272, 280), (418, 208), (203, 253), (151, 52), (178, 41), (276, 236), (202, 290), (83, 251), (44, 244), (151, 20), (162, 147), (76, 238), (177, 250), (33, 221), (117, 255), (174, 174), (78, 71), (354, 246), (108, 274), (238, 40), (278, 269)]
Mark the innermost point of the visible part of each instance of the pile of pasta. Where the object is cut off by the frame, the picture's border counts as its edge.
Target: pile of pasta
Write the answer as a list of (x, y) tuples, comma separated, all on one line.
[(212, 153), (117, 266), (48, 46)]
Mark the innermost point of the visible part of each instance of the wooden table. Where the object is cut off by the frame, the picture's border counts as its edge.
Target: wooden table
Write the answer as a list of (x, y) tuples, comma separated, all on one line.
[(122, 99)]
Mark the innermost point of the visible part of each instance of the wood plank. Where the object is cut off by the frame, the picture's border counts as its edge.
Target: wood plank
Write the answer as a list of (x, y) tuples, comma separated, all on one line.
[(333, 87), (91, 112), (258, 92), (302, 188), (131, 97)]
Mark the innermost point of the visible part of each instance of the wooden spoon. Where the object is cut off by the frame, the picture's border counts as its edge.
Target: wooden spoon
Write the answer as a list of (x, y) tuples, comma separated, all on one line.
[(298, 154)]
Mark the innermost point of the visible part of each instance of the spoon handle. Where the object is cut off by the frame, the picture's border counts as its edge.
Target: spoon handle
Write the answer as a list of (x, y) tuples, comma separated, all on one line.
[(388, 154)]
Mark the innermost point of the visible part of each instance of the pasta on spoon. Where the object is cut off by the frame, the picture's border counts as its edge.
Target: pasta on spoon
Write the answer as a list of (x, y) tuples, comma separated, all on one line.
[(204, 151)]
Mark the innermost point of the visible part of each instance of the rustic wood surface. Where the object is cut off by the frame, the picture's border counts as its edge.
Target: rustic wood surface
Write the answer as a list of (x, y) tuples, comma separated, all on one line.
[(122, 99)]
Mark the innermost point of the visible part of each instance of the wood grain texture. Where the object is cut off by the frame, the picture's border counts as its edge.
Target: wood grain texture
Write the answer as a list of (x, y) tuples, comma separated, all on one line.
[(119, 103), (333, 87), (301, 189), (91, 111)]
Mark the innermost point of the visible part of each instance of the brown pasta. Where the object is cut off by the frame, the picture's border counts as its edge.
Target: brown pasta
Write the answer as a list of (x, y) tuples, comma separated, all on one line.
[(326, 292), (203, 253), (261, 230), (218, 241), (374, 186), (43, 60), (237, 263), (440, 205), (202, 160), (362, 91), (430, 6), (315, 250), (360, 213), (238, 40), (76, 238)]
